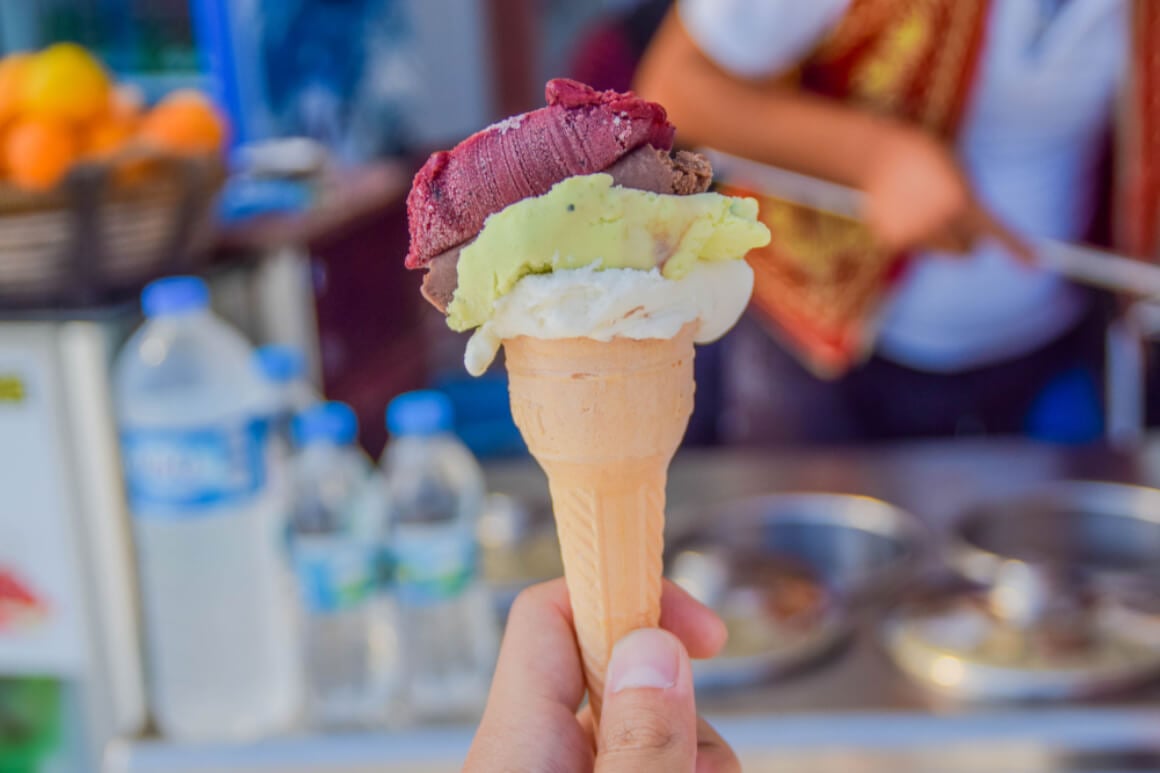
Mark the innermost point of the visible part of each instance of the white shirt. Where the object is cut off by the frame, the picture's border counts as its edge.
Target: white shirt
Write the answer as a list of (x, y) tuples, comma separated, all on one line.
[(1029, 144)]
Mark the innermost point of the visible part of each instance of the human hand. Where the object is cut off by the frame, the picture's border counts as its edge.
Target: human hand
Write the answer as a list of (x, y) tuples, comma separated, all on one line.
[(918, 197), (648, 723)]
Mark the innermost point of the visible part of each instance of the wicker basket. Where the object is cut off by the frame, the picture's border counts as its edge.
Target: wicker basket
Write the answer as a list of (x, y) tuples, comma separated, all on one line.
[(107, 228)]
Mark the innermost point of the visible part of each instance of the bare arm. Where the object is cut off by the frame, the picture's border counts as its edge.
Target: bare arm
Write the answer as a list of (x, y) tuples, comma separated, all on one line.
[(916, 193), (768, 121)]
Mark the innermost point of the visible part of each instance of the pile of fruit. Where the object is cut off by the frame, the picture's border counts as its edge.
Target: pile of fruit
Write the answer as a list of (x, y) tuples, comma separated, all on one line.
[(60, 107)]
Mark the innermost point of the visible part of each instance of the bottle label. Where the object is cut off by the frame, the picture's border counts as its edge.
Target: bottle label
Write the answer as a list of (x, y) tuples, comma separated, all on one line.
[(430, 568), (189, 471), (334, 573)]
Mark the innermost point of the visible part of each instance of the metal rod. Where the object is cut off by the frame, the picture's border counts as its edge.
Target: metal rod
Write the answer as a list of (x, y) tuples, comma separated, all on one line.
[(1084, 265)]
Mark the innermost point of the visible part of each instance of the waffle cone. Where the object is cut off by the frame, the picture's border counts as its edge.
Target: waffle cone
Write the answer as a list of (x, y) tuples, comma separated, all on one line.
[(603, 419)]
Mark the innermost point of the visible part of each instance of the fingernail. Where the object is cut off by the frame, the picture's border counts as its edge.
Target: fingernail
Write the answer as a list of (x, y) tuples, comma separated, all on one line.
[(647, 657)]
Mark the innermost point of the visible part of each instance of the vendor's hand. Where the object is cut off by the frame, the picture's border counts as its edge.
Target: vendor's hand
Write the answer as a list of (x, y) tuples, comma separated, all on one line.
[(917, 197), (648, 723)]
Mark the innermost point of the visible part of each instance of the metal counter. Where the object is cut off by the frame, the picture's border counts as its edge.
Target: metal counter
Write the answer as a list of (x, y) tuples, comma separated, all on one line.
[(934, 482), (854, 713)]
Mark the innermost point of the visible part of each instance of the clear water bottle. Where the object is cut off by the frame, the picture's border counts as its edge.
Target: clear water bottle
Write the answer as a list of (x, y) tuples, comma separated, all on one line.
[(350, 653), (283, 368), (218, 598), (446, 621)]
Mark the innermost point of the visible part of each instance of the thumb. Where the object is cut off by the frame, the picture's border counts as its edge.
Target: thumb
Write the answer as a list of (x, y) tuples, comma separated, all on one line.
[(649, 720)]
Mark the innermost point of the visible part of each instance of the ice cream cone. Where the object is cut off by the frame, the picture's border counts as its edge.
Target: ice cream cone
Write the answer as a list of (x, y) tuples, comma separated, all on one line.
[(604, 419)]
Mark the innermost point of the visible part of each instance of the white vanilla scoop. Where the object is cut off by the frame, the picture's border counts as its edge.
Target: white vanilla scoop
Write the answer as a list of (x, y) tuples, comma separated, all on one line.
[(604, 304)]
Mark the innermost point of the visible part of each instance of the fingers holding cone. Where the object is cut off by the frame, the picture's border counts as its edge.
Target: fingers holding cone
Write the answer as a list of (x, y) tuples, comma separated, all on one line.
[(539, 685)]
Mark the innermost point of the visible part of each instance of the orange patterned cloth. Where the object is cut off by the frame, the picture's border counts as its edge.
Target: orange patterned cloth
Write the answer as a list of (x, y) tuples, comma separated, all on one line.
[(822, 280)]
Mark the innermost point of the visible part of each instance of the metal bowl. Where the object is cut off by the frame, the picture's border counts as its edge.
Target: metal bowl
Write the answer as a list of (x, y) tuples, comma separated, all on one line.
[(1066, 606), (862, 548), (1097, 530), (787, 572), (955, 646)]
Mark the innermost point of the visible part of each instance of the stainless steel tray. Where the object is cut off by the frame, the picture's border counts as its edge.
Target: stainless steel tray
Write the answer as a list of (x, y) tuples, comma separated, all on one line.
[(1066, 603), (788, 573), (1103, 530)]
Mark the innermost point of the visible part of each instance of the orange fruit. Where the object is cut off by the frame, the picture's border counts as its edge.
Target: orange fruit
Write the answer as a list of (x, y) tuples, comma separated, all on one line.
[(38, 152), (13, 70), (114, 128), (186, 123), (106, 136), (64, 82)]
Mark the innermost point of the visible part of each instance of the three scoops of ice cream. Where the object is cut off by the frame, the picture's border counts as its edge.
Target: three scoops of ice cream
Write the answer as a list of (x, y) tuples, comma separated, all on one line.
[(575, 220), (574, 237)]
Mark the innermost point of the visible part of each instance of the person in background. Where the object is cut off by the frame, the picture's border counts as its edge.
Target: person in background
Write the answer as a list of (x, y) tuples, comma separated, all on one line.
[(972, 127)]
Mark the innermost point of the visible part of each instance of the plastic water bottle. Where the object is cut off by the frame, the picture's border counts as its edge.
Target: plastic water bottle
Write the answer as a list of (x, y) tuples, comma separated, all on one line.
[(210, 529), (350, 653), (284, 370), (446, 622)]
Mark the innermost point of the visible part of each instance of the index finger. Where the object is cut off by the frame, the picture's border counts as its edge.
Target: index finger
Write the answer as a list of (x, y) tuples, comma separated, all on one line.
[(539, 657), (530, 716)]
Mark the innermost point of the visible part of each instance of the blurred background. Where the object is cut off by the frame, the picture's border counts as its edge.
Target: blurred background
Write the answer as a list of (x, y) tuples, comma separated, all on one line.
[(255, 515)]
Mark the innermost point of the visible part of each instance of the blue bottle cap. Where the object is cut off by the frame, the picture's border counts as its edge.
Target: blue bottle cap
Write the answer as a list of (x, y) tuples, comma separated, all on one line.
[(326, 422), (174, 295), (426, 412), (280, 363)]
